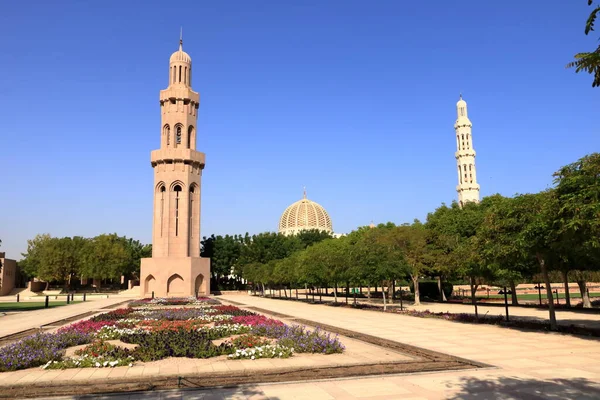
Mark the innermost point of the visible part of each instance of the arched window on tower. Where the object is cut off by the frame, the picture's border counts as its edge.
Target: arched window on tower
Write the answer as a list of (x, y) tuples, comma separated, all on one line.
[(460, 175), (177, 190), (180, 74), (162, 208), (178, 135), (189, 136), (174, 74), (191, 212), (167, 133), (185, 76)]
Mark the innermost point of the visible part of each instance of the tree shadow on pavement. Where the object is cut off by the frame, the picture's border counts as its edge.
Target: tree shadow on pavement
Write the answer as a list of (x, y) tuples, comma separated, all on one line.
[(225, 393), (508, 388)]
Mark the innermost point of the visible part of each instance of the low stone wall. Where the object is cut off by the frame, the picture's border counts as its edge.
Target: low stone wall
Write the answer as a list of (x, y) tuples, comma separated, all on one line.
[(36, 286), (228, 292)]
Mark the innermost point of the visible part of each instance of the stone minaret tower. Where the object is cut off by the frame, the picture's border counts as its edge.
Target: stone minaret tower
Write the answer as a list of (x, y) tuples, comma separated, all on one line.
[(176, 268), (467, 188)]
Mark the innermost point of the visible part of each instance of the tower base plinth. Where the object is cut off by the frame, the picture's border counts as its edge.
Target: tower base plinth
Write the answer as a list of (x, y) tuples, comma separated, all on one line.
[(175, 277)]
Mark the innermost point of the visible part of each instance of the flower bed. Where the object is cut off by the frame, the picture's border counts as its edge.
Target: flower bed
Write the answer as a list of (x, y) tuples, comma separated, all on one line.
[(174, 301), (164, 328)]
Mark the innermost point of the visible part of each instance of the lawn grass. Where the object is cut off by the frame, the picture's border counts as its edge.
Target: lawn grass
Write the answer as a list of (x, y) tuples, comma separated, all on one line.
[(31, 305), (535, 296)]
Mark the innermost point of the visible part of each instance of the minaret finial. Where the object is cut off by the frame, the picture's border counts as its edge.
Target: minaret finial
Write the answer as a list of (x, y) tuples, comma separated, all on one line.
[(305, 192), (180, 38), (460, 95)]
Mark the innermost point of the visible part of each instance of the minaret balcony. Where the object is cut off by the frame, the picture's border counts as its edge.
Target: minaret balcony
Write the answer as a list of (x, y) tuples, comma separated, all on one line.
[(179, 92), (467, 186), (465, 153), (163, 155)]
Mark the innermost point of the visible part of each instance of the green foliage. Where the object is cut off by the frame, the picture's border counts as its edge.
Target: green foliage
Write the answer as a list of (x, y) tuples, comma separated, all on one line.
[(179, 343), (61, 259), (589, 61), (224, 252)]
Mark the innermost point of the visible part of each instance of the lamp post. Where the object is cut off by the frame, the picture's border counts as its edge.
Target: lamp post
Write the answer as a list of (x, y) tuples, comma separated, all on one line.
[(505, 292), (401, 293), (539, 287)]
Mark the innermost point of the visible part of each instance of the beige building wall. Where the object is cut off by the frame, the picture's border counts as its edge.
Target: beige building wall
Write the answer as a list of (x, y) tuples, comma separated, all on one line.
[(8, 275), (176, 267)]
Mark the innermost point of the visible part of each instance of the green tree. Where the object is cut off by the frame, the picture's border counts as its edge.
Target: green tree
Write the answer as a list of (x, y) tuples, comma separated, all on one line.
[(224, 252), (31, 261), (378, 259), (105, 257), (590, 61), (411, 242), (312, 236), (135, 252), (60, 259), (578, 222), (522, 228)]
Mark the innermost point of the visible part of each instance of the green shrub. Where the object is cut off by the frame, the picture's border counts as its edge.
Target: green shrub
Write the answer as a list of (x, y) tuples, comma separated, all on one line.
[(180, 343)]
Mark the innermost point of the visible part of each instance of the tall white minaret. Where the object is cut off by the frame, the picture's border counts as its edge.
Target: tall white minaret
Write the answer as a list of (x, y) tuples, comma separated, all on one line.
[(467, 188), (176, 268)]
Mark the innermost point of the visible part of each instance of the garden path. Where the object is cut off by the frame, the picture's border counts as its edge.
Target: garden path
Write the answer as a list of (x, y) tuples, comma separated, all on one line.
[(564, 317), (21, 321)]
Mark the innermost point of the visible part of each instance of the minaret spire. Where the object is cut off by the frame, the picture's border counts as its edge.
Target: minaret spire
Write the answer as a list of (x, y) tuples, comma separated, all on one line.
[(181, 38), (467, 188), (304, 192)]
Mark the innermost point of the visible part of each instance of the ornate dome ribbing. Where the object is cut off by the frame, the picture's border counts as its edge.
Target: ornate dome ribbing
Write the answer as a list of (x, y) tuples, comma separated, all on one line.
[(304, 215)]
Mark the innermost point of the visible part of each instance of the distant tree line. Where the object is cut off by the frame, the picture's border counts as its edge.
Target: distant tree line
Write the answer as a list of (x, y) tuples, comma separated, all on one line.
[(501, 241), (61, 260)]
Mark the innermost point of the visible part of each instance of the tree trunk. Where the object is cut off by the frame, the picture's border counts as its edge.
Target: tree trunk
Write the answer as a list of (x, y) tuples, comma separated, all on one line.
[(263, 289), (565, 275), (441, 289), (384, 302), (335, 292), (415, 279), (369, 293), (473, 297), (584, 294), (347, 291), (513, 289), (552, 314)]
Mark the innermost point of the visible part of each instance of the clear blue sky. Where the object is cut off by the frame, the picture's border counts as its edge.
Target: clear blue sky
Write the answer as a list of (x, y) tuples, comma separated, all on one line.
[(354, 99)]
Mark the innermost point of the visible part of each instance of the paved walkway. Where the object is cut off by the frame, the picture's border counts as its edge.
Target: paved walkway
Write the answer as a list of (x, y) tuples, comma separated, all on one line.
[(528, 365), (20, 321), (563, 317)]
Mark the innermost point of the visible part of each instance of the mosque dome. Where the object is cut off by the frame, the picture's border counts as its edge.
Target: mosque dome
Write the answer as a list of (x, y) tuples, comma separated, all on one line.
[(180, 56), (304, 215)]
